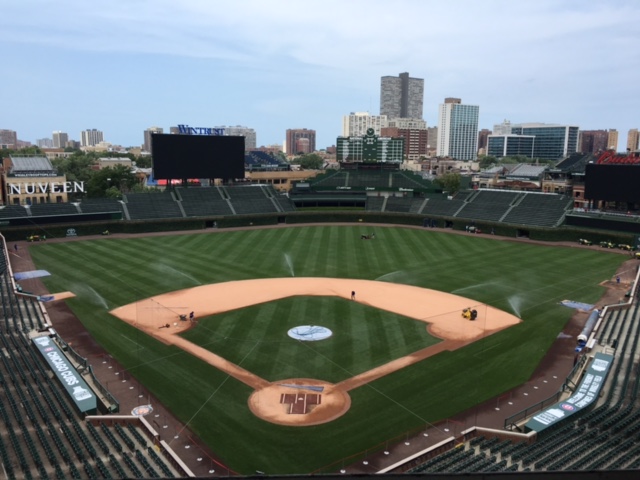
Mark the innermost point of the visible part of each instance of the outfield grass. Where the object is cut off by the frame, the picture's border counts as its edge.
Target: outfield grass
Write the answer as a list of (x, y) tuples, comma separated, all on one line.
[(528, 280)]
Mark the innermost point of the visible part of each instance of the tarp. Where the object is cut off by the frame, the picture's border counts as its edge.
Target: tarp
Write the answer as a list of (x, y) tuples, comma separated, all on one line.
[(578, 305), (586, 394), (31, 274)]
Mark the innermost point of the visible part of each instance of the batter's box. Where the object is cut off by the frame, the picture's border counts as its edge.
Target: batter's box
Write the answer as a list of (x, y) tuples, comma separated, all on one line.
[(300, 403)]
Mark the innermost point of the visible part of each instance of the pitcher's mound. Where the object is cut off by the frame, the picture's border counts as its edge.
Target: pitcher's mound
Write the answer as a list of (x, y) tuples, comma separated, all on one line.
[(299, 402)]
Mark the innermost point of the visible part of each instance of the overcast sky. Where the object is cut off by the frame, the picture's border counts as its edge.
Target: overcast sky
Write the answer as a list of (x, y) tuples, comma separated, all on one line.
[(122, 66)]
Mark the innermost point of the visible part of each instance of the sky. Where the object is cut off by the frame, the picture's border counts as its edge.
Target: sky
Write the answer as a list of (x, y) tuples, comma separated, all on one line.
[(122, 66)]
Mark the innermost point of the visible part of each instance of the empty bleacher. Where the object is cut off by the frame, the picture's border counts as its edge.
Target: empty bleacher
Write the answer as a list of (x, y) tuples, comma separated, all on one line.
[(604, 438), (203, 202), (13, 211), (41, 433), (544, 210), (48, 209), (487, 205), (439, 205), (399, 204), (405, 179), (100, 205), (143, 206), (251, 199), (336, 178)]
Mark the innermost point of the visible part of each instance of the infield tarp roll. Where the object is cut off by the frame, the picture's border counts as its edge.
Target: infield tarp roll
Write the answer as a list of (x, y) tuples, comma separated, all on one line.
[(31, 274)]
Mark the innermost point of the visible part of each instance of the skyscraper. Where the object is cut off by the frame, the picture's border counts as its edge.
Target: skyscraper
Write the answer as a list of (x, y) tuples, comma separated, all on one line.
[(458, 130), (593, 141), (356, 124), (249, 134), (300, 140), (60, 139), (612, 143), (401, 96), (147, 137), (633, 140), (90, 138)]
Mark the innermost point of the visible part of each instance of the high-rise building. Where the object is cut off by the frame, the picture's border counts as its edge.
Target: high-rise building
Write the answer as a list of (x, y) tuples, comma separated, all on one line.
[(356, 124), (593, 141), (433, 141), (510, 145), (60, 139), (249, 134), (633, 140), (482, 139), (612, 141), (44, 143), (458, 130), (300, 140), (401, 96), (90, 138), (414, 132), (551, 142), (146, 146), (8, 139)]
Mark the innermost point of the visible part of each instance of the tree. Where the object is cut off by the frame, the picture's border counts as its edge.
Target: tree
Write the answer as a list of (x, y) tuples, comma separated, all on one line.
[(111, 182), (310, 161), (486, 161), (143, 161), (450, 182)]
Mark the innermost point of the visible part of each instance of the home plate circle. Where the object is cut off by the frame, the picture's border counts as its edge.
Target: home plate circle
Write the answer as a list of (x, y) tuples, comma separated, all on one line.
[(309, 333)]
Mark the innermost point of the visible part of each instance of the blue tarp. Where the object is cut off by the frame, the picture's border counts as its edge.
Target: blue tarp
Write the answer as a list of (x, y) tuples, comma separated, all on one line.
[(31, 274), (579, 305)]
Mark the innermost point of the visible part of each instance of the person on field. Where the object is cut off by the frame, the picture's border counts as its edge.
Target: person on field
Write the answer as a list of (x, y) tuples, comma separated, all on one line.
[(353, 295)]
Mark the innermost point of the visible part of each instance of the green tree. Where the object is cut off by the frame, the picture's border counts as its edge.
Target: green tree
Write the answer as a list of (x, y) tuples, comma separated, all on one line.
[(77, 166), (450, 182), (143, 161), (111, 182), (486, 161), (309, 161)]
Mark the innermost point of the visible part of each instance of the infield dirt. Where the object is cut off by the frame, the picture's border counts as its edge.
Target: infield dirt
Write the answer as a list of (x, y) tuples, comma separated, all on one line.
[(165, 316)]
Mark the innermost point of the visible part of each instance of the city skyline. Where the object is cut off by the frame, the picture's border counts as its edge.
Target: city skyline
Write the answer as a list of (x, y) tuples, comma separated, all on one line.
[(122, 67)]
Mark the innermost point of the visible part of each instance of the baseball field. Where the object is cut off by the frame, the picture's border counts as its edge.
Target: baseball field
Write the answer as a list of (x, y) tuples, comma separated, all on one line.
[(131, 294)]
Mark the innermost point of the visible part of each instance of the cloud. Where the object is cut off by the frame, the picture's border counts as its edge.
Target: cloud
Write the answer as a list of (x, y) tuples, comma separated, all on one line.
[(525, 58)]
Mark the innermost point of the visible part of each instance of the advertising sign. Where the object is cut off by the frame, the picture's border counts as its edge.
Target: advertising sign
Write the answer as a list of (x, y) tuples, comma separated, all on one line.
[(586, 394), (76, 387)]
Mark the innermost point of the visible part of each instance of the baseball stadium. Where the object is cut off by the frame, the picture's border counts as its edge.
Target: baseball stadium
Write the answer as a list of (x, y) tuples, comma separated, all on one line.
[(230, 330)]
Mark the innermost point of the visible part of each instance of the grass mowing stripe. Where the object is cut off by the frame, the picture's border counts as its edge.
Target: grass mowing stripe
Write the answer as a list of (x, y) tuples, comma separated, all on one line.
[(451, 382)]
